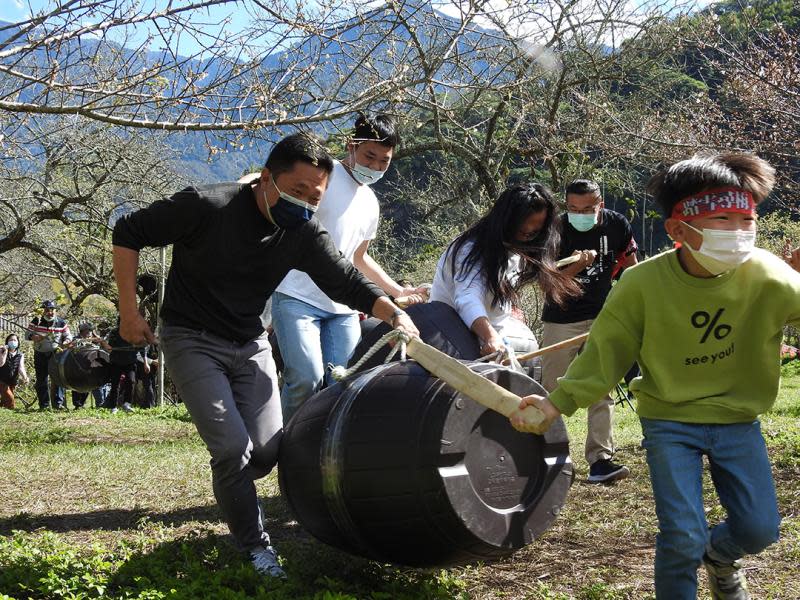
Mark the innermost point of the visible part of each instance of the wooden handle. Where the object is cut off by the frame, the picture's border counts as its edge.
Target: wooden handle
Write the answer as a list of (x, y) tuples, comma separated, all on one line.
[(469, 383), (405, 301), (568, 260), (578, 339)]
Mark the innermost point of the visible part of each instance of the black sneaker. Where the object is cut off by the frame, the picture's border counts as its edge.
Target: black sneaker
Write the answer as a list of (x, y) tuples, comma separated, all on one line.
[(605, 471), (726, 581)]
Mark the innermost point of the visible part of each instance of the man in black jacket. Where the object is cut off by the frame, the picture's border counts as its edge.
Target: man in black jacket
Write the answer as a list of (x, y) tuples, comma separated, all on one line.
[(232, 245)]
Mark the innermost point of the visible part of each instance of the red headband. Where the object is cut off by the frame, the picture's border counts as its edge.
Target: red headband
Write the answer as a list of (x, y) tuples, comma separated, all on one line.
[(712, 202)]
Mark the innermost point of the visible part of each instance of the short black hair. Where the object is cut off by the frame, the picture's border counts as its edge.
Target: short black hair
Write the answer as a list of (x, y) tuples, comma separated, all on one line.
[(298, 147), (708, 170), (581, 187), (380, 128), (11, 335)]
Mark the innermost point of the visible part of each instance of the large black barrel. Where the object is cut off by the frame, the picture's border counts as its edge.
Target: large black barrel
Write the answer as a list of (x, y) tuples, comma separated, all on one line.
[(439, 326), (81, 369), (397, 466)]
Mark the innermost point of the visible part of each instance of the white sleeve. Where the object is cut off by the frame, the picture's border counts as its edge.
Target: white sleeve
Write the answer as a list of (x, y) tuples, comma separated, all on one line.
[(469, 290), (372, 219)]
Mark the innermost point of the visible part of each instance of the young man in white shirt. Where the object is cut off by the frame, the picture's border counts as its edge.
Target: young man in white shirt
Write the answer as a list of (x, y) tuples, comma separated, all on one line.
[(312, 330)]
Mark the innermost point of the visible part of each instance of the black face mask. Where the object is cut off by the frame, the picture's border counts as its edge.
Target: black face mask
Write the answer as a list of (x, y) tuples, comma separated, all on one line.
[(289, 212), (287, 215)]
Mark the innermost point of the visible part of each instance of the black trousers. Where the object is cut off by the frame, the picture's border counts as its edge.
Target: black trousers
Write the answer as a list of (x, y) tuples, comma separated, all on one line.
[(44, 393), (123, 380)]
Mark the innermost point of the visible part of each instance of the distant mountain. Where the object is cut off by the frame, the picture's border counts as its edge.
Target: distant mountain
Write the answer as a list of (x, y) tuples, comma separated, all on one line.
[(327, 55)]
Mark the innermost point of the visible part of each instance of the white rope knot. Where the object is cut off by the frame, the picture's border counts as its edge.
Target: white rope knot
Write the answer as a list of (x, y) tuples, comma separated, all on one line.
[(340, 373)]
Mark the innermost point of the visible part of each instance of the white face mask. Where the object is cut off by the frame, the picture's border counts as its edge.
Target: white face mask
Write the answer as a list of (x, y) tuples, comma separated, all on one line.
[(723, 250), (365, 175)]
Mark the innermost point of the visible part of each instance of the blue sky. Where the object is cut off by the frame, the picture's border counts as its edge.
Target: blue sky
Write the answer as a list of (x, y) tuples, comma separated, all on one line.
[(18, 10), (235, 16)]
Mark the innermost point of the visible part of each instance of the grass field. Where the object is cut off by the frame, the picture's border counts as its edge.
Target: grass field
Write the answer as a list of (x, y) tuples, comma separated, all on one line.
[(94, 505)]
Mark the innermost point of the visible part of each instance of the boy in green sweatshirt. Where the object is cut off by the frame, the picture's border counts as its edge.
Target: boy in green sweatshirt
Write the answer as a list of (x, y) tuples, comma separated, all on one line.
[(705, 323)]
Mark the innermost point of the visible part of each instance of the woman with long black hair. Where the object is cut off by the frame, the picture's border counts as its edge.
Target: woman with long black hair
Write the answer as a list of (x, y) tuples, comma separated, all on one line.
[(483, 270)]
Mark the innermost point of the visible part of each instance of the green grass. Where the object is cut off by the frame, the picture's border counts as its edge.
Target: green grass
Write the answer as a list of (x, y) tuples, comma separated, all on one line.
[(120, 506)]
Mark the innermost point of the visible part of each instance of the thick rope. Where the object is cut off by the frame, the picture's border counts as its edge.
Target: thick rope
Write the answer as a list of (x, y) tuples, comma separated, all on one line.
[(506, 352), (340, 373)]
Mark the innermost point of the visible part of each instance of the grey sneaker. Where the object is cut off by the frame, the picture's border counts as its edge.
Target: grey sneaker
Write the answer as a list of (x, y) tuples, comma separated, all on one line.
[(265, 561), (127, 407), (726, 581), (605, 471)]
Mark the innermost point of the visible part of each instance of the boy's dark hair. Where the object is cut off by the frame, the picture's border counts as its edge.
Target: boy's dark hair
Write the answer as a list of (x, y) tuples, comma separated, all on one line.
[(706, 171), (581, 187), (380, 128), (298, 147)]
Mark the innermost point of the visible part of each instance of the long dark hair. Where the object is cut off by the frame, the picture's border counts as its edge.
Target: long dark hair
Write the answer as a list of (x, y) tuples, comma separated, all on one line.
[(493, 237)]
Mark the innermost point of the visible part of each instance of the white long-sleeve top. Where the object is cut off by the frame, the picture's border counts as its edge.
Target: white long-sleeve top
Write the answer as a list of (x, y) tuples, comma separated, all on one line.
[(469, 295)]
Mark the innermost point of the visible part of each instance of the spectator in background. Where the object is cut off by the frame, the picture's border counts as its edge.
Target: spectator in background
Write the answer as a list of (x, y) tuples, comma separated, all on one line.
[(12, 369), (87, 335), (47, 333), (146, 369), (123, 371), (604, 241)]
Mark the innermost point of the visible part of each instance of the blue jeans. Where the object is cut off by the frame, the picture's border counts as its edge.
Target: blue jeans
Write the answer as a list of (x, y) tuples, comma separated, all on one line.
[(742, 477), (309, 338)]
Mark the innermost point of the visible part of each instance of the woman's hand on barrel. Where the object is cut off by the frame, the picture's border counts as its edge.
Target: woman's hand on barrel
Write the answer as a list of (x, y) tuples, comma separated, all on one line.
[(549, 412), (135, 330)]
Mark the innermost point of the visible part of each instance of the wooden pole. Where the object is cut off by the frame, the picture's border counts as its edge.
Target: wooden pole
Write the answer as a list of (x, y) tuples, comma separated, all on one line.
[(469, 383), (568, 260), (578, 339)]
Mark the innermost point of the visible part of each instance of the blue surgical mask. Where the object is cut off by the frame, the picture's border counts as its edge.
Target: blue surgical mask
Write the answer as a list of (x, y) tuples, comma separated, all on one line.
[(12, 344), (582, 222), (289, 212), (365, 175)]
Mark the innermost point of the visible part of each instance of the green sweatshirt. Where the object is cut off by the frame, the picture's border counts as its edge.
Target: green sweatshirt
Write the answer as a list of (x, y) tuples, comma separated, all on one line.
[(709, 349)]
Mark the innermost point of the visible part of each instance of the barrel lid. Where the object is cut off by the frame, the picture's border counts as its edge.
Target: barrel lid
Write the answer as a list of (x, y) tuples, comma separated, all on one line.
[(505, 486)]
